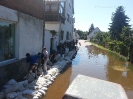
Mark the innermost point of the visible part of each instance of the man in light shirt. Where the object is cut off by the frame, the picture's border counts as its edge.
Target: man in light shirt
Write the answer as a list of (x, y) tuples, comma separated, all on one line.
[(44, 58)]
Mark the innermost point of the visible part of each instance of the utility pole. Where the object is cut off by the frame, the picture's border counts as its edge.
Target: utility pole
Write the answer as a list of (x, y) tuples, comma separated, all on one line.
[(43, 41)]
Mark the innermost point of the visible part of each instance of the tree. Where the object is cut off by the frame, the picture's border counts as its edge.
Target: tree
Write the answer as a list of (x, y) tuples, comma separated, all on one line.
[(126, 36), (119, 21), (91, 28), (79, 32), (82, 34)]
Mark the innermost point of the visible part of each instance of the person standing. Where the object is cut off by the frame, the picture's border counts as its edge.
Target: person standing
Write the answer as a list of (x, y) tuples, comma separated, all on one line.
[(44, 58)]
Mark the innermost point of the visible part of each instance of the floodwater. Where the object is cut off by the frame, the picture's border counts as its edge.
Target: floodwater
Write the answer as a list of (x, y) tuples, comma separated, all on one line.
[(94, 62)]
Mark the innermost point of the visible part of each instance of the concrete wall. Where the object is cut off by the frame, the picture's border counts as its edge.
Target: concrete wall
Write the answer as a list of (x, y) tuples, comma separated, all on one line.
[(30, 31), (8, 14), (15, 70)]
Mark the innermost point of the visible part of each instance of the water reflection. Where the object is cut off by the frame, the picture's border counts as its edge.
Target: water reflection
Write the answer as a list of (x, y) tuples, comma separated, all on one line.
[(58, 88), (115, 70), (94, 62)]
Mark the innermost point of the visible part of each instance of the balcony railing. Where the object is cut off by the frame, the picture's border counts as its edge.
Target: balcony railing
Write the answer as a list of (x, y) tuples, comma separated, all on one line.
[(54, 11)]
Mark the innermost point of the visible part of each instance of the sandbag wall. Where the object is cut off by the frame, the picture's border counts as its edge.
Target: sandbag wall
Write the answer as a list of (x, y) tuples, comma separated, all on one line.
[(36, 88)]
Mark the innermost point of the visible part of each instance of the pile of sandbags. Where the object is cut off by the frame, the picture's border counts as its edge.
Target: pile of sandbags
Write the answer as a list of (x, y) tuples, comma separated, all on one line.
[(36, 88)]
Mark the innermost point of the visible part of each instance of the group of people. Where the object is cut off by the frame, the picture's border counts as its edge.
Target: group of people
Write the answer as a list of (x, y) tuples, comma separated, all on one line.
[(34, 61), (67, 44), (41, 59)]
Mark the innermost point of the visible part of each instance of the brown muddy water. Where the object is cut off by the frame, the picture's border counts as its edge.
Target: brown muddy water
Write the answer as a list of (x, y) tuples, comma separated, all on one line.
[(94, 62)]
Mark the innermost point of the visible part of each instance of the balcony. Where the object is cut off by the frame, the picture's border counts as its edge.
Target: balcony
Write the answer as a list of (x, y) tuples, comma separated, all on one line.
[(54, 11)]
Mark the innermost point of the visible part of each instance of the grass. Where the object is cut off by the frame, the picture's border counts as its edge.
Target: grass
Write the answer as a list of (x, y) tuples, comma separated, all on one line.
[(111, 52)]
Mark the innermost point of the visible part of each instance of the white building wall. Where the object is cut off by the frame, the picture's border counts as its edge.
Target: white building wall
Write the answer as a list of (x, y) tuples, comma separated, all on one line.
[(93, 33), (48, 37), (30, 31), (68, 27)]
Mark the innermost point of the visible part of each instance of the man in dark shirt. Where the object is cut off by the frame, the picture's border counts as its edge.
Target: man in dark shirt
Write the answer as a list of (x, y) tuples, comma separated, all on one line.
[(52, 56), (32, 63)]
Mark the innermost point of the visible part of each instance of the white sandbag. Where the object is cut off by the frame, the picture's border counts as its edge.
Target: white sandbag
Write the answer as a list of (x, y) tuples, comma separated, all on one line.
[(31, 77), (57, 57), (30, 92), (11, 82), (2, 95), (40, 70), (42, 92), (21, 88), (35, 97), (31, 85), (66, 51), (45, 85), (20, 97), (49, 82), (13, 88), (6, 86), (39, 94), (12, 95), (24, 83), (44, 88), (49, 63), (36, 87)]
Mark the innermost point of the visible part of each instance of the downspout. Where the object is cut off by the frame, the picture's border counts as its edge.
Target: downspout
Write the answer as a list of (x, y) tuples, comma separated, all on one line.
[(43, 39), (59, 22)]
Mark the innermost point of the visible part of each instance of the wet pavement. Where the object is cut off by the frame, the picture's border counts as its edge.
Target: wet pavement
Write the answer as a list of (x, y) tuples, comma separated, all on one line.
[(94, 62)]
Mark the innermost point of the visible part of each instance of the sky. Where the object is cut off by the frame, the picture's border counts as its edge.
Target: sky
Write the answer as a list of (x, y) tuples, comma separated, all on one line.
[(99, 13)]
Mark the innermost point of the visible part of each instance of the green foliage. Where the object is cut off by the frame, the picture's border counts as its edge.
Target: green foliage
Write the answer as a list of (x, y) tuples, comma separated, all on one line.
[(53, 32), (101, 38), (120, 35), (119, 21), (118, 46), (82, 34)]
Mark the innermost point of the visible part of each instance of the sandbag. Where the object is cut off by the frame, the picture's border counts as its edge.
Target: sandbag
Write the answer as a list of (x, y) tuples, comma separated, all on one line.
[(20, 97), (11, 82), (30, 92), (35, 97), (12, 95), (31, 77), (13, 88), (44, 88), (42, 92), (2, 95), (24, 83)]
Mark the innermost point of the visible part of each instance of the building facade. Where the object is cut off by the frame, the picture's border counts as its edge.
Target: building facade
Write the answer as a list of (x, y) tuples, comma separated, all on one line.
[(59, 17), (21, 32), (93, 33)]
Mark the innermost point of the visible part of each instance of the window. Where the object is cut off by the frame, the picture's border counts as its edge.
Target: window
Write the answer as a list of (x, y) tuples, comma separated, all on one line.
[(62, 35), (68, 17), (7, 40), (54, 7), (69, 5), (47, 8), (67, 36)]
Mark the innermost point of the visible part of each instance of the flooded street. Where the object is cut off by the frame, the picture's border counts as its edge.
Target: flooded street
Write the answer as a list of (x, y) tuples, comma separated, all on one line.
[(94, 62)]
